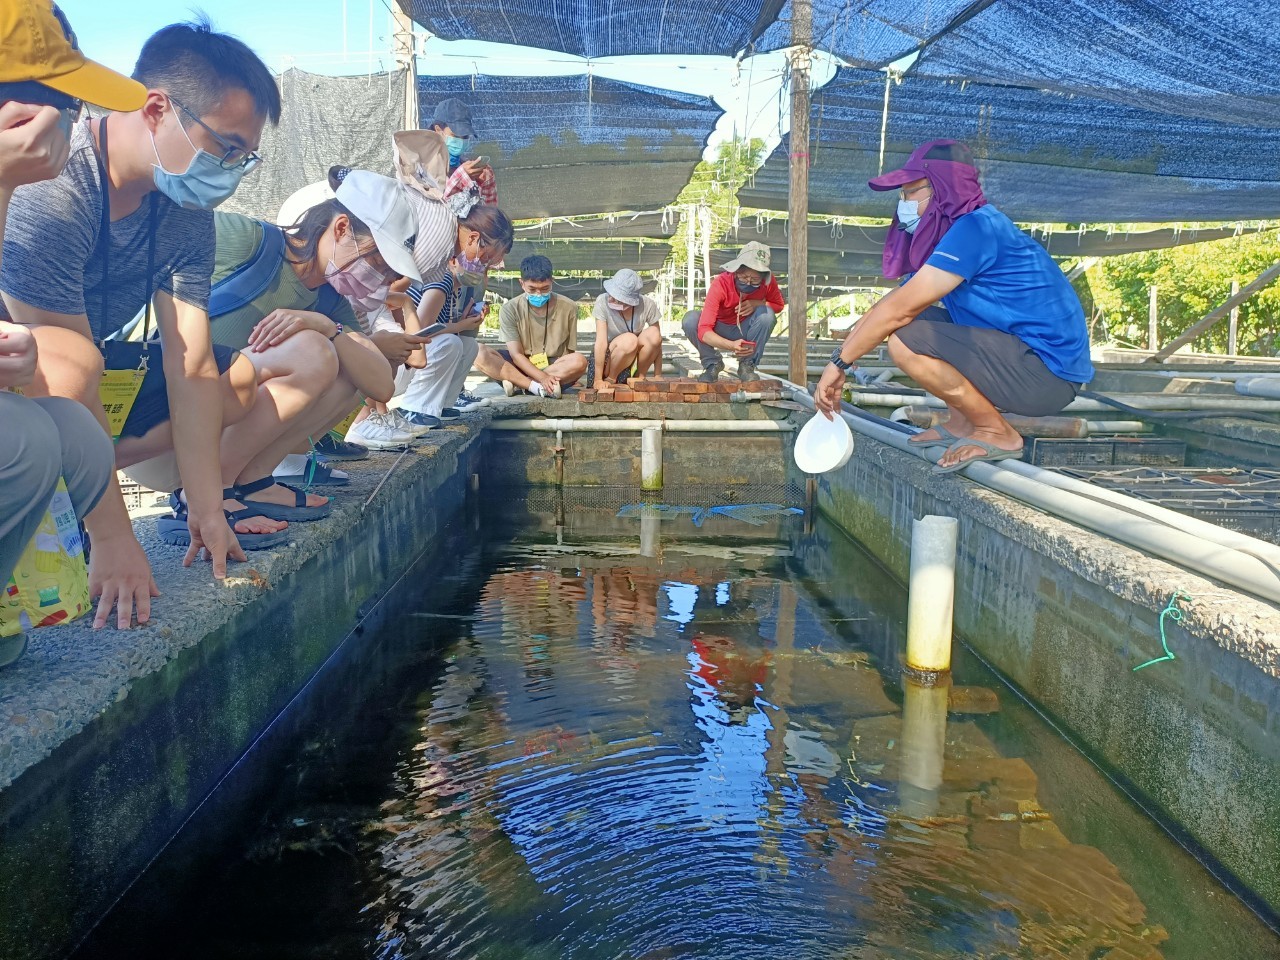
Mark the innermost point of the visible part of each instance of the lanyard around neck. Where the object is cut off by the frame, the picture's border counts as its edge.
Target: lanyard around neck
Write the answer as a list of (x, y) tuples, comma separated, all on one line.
[(104, 232)]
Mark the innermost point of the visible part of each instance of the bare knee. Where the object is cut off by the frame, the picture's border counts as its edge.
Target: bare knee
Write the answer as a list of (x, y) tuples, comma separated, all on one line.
[(240, 390), (899, 352), (624, 343), (311, 358)]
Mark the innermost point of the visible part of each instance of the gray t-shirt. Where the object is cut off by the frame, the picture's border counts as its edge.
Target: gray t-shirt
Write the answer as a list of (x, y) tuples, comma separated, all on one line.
[(51, 260), (643, 314)]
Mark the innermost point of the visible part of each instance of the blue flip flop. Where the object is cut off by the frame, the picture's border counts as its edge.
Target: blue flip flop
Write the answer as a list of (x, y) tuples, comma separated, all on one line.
[(299, 512), (175, 532), (990, 454)]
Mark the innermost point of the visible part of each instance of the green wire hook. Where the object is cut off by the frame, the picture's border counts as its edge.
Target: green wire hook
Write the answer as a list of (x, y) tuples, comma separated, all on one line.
[(1173, 613)]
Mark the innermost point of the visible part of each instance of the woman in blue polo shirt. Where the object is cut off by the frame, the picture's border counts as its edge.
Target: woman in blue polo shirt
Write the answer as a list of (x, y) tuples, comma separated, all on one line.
[(1013, 336)]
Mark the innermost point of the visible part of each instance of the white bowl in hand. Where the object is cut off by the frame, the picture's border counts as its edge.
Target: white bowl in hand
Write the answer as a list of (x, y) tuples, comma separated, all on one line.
[(823, 444)]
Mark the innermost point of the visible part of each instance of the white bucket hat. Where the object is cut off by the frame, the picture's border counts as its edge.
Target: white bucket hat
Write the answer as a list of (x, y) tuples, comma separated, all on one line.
[(384, 207), (754, 256), (625, 286)]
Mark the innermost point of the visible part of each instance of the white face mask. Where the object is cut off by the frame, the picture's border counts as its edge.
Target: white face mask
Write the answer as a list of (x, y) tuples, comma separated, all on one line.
[(909, 215)]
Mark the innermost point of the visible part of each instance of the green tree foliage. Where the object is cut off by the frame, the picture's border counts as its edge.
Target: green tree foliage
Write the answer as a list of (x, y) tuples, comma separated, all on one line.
[(716, 186), (1191, 280)]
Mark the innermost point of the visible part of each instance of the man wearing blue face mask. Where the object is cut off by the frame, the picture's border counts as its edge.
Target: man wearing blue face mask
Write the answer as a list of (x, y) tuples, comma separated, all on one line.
[(452, 120), (540, 329), (126, 225)]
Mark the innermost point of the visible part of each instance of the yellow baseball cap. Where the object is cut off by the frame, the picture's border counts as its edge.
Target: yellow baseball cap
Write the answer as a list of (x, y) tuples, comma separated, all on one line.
[(38, 44)]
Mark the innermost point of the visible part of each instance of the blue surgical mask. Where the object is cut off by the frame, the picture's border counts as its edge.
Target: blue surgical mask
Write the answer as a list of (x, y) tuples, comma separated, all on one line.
[(456, 147), (202, 186), (538, 299), (909, 215), (744, 287)]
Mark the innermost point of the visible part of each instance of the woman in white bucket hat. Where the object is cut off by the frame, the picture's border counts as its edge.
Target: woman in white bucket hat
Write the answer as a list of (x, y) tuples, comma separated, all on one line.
[(628, 334)]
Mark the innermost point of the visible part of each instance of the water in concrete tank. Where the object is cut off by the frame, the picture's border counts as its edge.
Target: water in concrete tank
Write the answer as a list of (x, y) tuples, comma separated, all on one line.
[(582, 742)]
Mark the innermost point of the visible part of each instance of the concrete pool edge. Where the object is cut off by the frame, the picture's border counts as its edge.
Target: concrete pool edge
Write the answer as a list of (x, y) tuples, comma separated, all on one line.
[(1066, 614), (114, 737)]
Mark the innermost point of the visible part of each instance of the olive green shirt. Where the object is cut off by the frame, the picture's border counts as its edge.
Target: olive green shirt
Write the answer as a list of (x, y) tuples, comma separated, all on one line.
[(555, 336), (238, 238)]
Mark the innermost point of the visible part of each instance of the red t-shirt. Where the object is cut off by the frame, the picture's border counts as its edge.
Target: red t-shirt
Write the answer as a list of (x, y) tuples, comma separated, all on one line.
[(723, 299)]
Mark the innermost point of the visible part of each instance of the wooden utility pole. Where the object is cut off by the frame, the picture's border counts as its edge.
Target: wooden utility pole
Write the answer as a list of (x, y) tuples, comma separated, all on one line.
[(1260, 282), (1153, 316), (1233, 324), (406, 54), (798, 206)]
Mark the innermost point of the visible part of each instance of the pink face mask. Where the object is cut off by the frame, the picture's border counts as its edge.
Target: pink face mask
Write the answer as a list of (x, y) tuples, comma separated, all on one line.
[(357, 280)]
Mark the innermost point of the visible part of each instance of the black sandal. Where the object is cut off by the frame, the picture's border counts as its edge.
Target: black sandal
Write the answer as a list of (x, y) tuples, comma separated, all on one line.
[(298, 513), (175, 531)]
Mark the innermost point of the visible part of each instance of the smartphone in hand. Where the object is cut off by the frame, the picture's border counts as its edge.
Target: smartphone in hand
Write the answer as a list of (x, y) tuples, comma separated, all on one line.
[(430, 331)]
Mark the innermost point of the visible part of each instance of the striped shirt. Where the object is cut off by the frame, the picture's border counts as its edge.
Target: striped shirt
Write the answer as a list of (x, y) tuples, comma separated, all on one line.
[(451, 310), (437, 238)]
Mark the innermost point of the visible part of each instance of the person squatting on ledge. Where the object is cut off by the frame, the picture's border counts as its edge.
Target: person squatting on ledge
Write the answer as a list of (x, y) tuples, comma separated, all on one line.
[(1010, 335)]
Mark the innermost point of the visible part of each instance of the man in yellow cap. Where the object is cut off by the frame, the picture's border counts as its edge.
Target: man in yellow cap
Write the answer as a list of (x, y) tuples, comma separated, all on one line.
[(127, 225), (44, 78)]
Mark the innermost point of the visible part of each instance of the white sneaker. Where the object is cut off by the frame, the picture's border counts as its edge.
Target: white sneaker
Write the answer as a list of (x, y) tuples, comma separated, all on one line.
[(404, 426), (378, 431), (508, 388)]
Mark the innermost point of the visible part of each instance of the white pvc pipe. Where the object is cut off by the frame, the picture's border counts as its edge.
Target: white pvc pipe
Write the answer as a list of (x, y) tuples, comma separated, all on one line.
[(651, 458), (1215, 552), (931, 593), (1117, 426), (901, 415), (1259, 387), (1154, 402), (649, 534), (617, 424), (923, 744)]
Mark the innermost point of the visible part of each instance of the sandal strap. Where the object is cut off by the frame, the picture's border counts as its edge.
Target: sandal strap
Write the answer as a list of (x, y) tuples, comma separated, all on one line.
[(179, 506), (253, 486), (299, 498), (235, 516)]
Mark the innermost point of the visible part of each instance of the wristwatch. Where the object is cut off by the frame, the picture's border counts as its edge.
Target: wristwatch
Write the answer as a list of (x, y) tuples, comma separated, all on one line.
[(843, 365)]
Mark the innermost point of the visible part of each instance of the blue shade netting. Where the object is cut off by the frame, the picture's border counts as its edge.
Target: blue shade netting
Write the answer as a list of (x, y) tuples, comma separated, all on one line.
[(602, 28), (574, 145), (1044, 156)]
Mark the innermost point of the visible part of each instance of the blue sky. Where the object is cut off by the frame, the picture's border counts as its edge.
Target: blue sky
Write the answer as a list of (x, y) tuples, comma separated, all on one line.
[(354, 36)]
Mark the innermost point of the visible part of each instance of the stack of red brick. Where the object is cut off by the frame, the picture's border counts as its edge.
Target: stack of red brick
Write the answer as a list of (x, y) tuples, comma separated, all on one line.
[(680, 390)]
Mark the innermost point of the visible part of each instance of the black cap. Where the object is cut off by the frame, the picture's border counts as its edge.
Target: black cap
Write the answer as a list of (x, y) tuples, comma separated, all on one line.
[(455, 115)]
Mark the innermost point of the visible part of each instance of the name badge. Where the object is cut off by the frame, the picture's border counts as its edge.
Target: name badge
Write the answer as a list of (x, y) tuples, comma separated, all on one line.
[(540, 361), (118, 391)]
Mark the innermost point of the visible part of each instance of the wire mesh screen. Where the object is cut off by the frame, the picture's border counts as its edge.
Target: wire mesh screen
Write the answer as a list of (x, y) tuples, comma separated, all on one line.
[(1197, 58), (753, 502), (603, 28), (325, 121), (1247, 501), (574, 145), (1043, 156)]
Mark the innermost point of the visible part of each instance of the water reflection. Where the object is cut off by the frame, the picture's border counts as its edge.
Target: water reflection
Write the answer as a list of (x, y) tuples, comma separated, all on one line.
[(678, 757)]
